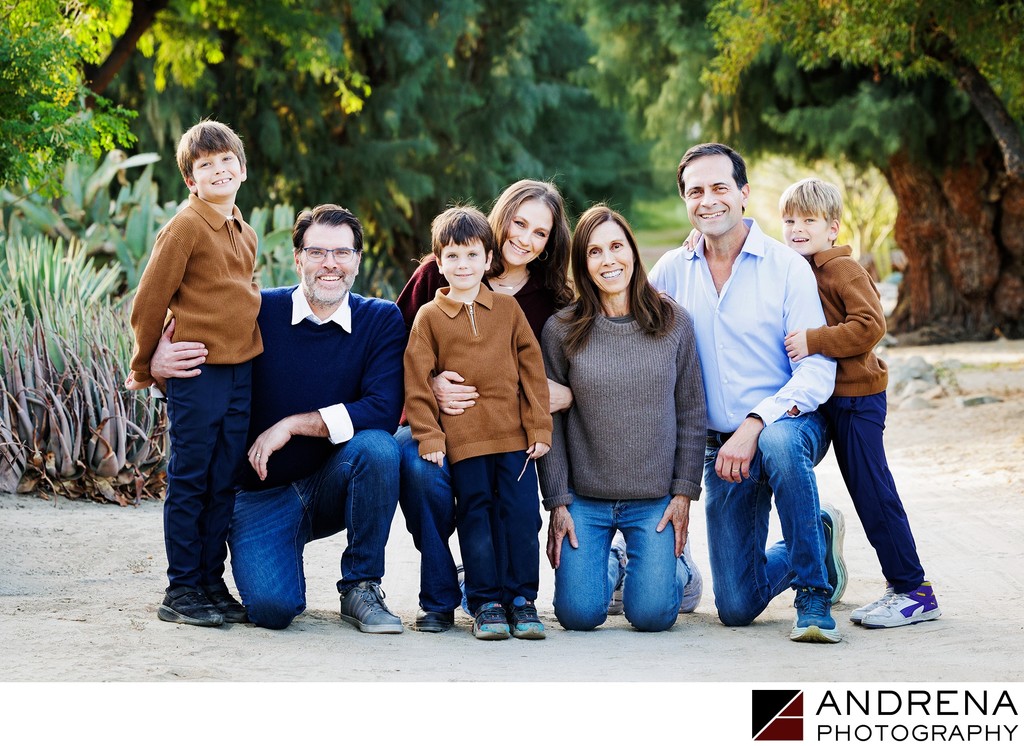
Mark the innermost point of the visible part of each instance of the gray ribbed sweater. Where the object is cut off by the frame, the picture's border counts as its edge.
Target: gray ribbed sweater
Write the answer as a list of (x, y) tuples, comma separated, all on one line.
[(637, 426)]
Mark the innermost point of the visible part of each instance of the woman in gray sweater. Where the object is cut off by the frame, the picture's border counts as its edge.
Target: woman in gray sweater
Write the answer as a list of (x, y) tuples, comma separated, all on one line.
[(629, 454)]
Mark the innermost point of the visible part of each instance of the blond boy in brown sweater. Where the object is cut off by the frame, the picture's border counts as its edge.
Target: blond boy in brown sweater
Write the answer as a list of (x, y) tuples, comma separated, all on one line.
[(201, 269), (811, 210), (491, 446)]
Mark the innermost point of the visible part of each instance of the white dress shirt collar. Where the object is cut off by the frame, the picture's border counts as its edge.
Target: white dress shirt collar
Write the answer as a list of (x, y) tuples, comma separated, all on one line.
[(301, 310)]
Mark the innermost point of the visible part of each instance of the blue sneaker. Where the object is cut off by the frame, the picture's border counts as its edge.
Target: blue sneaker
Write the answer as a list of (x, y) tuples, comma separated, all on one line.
[(905, 608), (462, 588), (617, 556), (814, 622), (490, 622), (523, 619), (835, 530)]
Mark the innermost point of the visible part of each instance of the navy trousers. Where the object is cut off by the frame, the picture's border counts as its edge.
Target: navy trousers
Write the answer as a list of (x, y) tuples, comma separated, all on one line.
[(488, 495), (856, 424), (208, 426)]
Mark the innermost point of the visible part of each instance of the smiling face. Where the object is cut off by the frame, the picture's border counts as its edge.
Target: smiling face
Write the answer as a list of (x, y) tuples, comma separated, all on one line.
[(714, 203), (325, 284), (216, 177), (809, 234), (528, 233), (464, 267), (610, 261)]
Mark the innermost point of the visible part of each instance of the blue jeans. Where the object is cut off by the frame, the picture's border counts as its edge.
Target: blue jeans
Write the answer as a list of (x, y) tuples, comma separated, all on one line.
[(584, 579), (746, 575), (857, 423), (429, 509), (491, 501), (356, 489), (208, 420)]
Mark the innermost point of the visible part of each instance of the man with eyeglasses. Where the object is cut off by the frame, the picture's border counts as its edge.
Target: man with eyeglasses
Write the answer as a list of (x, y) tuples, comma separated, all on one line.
[(327, 394)]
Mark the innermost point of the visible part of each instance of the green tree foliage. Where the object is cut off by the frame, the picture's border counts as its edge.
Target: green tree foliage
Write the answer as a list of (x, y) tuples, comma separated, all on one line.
[(44, 119), (928, 92), (392, 108)]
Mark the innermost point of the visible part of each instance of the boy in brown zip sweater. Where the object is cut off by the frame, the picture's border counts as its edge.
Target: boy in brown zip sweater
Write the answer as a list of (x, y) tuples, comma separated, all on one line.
[(490, 447)]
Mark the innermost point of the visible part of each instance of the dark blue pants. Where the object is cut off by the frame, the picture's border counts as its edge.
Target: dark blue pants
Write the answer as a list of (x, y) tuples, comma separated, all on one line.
[(856, 424), (208, 425), (487, 494)]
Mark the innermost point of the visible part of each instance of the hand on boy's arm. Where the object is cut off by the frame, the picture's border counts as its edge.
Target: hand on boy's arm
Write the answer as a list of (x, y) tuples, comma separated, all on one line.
[(175, 359), (435, 457), (559, 397), (537, 450), (796, 345), (452, 398)]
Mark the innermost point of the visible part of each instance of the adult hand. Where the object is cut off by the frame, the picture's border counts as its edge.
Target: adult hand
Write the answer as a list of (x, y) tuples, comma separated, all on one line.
[(560, 397), (175, 359), (270, 440), (735, 455), (452, 397), (692, 239), (560, 526), (678, 513), (796, 345)]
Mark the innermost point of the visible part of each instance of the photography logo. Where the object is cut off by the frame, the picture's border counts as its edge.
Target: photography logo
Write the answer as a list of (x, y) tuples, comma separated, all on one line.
[(777, 714)]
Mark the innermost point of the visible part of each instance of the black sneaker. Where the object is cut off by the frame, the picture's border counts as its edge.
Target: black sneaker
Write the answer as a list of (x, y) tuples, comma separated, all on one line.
[(189, 606), (523, 619), (229, 607)]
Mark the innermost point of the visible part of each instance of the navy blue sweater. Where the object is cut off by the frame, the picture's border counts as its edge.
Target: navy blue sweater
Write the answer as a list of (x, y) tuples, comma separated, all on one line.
[(306, 367)]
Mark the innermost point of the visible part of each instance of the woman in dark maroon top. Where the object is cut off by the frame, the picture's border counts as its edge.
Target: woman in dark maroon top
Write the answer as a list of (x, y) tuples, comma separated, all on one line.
[(530, 226)]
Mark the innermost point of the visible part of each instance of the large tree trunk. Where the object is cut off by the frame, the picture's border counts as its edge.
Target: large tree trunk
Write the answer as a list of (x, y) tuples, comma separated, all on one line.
[(962, 231)]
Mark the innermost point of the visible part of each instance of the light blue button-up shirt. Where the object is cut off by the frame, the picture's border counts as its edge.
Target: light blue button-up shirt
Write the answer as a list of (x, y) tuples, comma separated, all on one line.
[(741, 333)]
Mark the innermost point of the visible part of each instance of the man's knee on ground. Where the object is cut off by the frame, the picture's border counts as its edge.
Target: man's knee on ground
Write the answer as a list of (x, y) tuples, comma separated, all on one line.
[(652, 621), (271, 613), (734, 617), (581, 620)]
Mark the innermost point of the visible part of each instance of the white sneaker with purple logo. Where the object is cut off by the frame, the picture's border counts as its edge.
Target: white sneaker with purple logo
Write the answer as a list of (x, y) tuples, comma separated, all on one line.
[(901, 609)]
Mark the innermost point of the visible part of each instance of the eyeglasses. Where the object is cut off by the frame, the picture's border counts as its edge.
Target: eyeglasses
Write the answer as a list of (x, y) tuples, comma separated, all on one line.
[(318, 255)]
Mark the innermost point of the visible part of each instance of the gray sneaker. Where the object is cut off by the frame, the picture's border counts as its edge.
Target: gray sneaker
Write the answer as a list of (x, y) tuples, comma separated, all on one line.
[(363, 607), (694, 588)]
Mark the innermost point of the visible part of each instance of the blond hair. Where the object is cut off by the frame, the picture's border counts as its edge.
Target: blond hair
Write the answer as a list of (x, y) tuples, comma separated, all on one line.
[(812, 197)]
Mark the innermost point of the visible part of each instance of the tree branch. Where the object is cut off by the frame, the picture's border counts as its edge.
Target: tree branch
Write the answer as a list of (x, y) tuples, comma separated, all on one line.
[(143, 15)]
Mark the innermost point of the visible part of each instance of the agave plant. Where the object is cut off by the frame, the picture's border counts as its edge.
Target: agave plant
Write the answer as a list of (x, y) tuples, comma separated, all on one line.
[(69, 426)]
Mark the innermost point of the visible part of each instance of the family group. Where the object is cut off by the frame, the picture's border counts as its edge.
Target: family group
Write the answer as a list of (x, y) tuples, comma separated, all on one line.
[(521, 359)]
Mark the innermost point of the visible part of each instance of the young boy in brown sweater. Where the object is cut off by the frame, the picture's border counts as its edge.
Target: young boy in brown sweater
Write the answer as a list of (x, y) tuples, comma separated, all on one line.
[(811, 210), (491, 446), (201, 269)]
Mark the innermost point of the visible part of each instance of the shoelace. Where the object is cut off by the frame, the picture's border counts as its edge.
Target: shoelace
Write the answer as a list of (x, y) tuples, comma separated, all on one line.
[(812, 604), (493, 615)]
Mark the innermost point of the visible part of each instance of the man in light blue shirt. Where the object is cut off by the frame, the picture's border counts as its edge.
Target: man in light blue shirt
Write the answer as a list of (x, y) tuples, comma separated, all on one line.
[(745, 292)]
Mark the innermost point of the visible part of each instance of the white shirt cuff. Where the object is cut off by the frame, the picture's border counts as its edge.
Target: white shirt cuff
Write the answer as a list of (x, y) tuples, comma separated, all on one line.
[(339, 424)]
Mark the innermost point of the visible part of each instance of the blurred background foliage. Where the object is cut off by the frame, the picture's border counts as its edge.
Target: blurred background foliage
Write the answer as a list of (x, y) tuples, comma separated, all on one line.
[(396, 109)]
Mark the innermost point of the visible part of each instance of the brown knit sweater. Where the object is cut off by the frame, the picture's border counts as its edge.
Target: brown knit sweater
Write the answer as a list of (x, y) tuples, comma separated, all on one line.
[(855, 323), (493, 347), (201, 269)]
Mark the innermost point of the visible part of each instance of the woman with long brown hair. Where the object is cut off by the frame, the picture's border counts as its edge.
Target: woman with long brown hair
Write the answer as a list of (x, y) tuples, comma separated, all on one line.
[(628, 455)]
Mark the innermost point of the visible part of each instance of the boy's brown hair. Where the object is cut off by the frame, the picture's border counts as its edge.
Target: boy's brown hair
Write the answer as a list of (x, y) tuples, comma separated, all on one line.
[(812, 197), (461, 225), (206, 138)]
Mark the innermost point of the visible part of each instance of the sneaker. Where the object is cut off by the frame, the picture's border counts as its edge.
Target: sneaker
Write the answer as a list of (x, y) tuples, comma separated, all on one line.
[(490, 622), (228, 606), (905, 608), (858, 614), (835, 530), (363, 607), (462, 588), (813, 622), (694, 588), (189, 606), (434, 621), (617, 553), (523, 619)]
